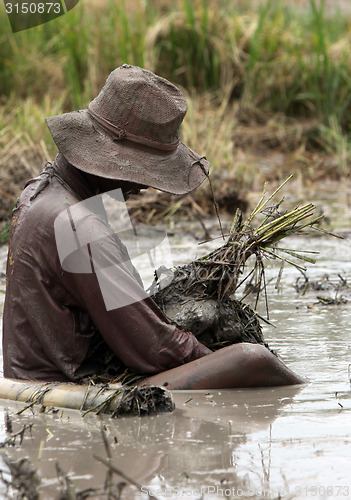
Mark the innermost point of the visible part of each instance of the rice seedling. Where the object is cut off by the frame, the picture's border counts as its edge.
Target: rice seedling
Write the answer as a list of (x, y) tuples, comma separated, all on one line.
[(192, 45)]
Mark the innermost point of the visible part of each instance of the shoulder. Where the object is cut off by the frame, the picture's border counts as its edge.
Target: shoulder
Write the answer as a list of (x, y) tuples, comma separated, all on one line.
[(33, 219)]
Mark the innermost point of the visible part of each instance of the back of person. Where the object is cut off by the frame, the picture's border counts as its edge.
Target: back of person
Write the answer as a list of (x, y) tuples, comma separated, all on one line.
[(38, 306), (56, 324)]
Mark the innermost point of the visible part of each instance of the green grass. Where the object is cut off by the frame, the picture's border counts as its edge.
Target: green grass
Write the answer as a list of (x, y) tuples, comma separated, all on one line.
[(273, 60), (276, 58), (4, 234)]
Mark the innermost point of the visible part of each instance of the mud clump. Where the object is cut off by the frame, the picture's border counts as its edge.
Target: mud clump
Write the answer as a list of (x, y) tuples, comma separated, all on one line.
[(215, 323), (137, 401)]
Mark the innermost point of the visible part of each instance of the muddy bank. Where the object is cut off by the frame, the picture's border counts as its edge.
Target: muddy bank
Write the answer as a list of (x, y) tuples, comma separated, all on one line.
[(258, 157), (149, 207)]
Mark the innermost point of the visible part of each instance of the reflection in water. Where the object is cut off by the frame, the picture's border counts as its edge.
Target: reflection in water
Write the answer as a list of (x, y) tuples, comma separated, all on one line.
[(197, 447)]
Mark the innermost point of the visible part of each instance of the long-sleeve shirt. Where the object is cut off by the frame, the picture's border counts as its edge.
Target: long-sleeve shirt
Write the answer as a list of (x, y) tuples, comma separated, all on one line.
[(53, 318)]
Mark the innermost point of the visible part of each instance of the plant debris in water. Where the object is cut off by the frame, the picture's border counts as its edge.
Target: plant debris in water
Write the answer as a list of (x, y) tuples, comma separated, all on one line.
[(200, 297), (93, 398), (135, 401), (24, 480), (144, 401), (326, 284)]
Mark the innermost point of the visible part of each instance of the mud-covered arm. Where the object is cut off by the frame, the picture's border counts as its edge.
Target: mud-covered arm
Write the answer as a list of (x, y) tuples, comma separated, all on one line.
[(127, 318)]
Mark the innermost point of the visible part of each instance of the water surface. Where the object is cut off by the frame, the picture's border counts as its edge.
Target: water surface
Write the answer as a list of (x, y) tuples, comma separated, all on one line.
[(290, 442)]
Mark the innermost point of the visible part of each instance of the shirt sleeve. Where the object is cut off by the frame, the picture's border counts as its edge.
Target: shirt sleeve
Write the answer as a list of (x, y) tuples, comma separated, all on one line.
[(127, 318)]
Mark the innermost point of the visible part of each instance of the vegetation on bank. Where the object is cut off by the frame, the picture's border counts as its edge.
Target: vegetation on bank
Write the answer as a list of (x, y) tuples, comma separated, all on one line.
[(259, 76)]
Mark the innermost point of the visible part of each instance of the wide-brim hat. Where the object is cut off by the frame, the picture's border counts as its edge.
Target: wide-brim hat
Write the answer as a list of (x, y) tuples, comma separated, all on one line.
[(131, 132)]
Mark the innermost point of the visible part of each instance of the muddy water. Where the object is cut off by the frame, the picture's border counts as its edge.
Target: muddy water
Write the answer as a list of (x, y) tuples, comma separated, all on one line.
[(292, 442)]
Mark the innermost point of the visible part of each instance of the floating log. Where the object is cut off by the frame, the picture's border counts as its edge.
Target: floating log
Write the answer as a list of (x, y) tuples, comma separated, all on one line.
[(114, 399)]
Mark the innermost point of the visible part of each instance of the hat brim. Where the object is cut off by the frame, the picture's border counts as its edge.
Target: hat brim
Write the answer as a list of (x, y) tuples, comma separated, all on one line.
[(90, 149)]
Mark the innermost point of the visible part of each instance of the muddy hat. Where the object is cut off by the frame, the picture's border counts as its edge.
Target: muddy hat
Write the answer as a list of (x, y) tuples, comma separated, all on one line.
[(130, 132)]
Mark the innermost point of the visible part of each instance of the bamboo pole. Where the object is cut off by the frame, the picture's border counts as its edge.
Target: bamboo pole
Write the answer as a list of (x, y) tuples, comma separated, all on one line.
[(114, 399)]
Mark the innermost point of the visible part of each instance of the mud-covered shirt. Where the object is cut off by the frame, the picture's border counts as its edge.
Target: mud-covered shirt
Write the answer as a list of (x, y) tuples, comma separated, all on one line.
[(56, 321)]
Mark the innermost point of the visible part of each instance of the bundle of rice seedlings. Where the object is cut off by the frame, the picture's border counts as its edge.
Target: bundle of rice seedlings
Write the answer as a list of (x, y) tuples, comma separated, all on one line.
[(214, 278), (217, 273)]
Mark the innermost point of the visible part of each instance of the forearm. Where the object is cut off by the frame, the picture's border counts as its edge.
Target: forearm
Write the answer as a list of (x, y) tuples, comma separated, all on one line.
[(145, 341), (139, 334)]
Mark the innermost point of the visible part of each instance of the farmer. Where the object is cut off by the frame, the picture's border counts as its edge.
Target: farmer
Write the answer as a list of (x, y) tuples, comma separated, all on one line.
[(56, 325)]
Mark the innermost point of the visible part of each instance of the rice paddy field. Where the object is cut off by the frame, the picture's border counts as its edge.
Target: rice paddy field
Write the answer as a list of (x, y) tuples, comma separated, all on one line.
[(268, 87), (267, 82)]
